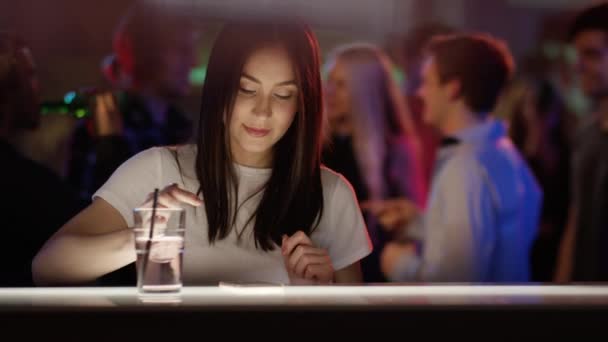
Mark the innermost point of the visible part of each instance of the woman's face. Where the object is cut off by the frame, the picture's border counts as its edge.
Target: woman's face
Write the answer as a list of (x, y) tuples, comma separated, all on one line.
[(337, 95), (265, 106)]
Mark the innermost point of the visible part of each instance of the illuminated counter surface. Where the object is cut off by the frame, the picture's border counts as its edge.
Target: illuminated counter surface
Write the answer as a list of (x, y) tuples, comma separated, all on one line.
[(378, 309)]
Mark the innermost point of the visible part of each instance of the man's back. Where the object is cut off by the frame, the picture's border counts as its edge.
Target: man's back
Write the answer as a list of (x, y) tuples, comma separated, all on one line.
[(517, 201), (485, 205)]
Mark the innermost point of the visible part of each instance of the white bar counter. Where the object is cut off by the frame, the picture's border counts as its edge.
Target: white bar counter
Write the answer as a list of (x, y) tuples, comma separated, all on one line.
[(509, 312)]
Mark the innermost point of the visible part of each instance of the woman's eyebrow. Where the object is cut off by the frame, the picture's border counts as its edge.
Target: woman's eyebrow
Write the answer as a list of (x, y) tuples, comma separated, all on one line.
[(253, 79)]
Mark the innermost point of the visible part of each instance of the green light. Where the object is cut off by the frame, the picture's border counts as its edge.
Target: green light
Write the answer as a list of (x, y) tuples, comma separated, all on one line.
[(69, 97), (197, 75), (398, 76), (80, 113), (54, 110), (551, 49)]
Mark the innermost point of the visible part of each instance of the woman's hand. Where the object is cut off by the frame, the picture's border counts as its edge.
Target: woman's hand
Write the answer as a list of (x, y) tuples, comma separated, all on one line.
[(393, 214), (305, 261), (172, 197)]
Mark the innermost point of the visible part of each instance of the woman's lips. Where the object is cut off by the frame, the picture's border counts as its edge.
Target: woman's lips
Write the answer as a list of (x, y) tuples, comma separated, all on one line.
[(256, 132)]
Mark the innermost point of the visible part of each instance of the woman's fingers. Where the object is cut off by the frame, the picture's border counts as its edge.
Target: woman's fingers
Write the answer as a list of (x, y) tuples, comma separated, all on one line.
[(322, 273), (300, 252), (291, 242), (300, 255), (184, 196), (309, 260), (169, 197), (173, 197)]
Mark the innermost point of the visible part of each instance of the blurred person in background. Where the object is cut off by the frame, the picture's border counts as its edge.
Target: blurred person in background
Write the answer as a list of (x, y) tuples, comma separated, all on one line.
[(411, 56), (482, 214), (539, 129), (154, 52), (583, 252), (373, 141), (36, 202)]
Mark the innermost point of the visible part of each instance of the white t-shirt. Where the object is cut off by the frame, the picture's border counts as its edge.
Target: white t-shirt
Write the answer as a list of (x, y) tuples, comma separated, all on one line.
[(341, 231)]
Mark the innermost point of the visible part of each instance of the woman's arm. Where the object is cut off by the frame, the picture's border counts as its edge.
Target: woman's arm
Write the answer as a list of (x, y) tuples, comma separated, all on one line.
[(93, 243), (349, 274), (96, 241), (304, 261), (563, 269)]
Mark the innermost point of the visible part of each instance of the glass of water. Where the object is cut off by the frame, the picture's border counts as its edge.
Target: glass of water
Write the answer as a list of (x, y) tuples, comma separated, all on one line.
[(159, 250)]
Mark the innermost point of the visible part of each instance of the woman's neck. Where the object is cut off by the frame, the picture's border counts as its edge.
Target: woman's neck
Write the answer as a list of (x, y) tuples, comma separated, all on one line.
[(254, 160)]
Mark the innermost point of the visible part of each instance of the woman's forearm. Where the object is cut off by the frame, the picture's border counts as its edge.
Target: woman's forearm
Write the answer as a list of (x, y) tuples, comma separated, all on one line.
[(81, 258)]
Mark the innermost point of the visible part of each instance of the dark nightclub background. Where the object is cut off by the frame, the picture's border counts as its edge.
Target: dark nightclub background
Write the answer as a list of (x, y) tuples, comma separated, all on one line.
[(70, 37)]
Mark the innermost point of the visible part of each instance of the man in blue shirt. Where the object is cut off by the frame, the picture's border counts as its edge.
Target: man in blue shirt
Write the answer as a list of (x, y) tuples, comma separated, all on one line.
[(483, 209)]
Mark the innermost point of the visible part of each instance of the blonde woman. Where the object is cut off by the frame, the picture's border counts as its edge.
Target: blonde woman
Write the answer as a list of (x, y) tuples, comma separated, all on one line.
[(372, 140)]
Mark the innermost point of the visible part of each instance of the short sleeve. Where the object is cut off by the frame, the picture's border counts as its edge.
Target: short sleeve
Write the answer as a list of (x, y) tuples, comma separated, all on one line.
[(132, 181), (344, 233)]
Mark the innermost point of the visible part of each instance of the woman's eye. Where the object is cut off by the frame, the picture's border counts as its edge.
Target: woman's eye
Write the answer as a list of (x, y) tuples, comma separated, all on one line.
[(283, 96), (246, 91)]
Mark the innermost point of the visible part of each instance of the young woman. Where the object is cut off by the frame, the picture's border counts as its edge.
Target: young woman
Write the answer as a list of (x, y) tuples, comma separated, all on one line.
[(373, 140), (260, 208)]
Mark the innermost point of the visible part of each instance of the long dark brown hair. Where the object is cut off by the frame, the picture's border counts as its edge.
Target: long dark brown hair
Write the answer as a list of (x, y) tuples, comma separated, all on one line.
[(293, 197)]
